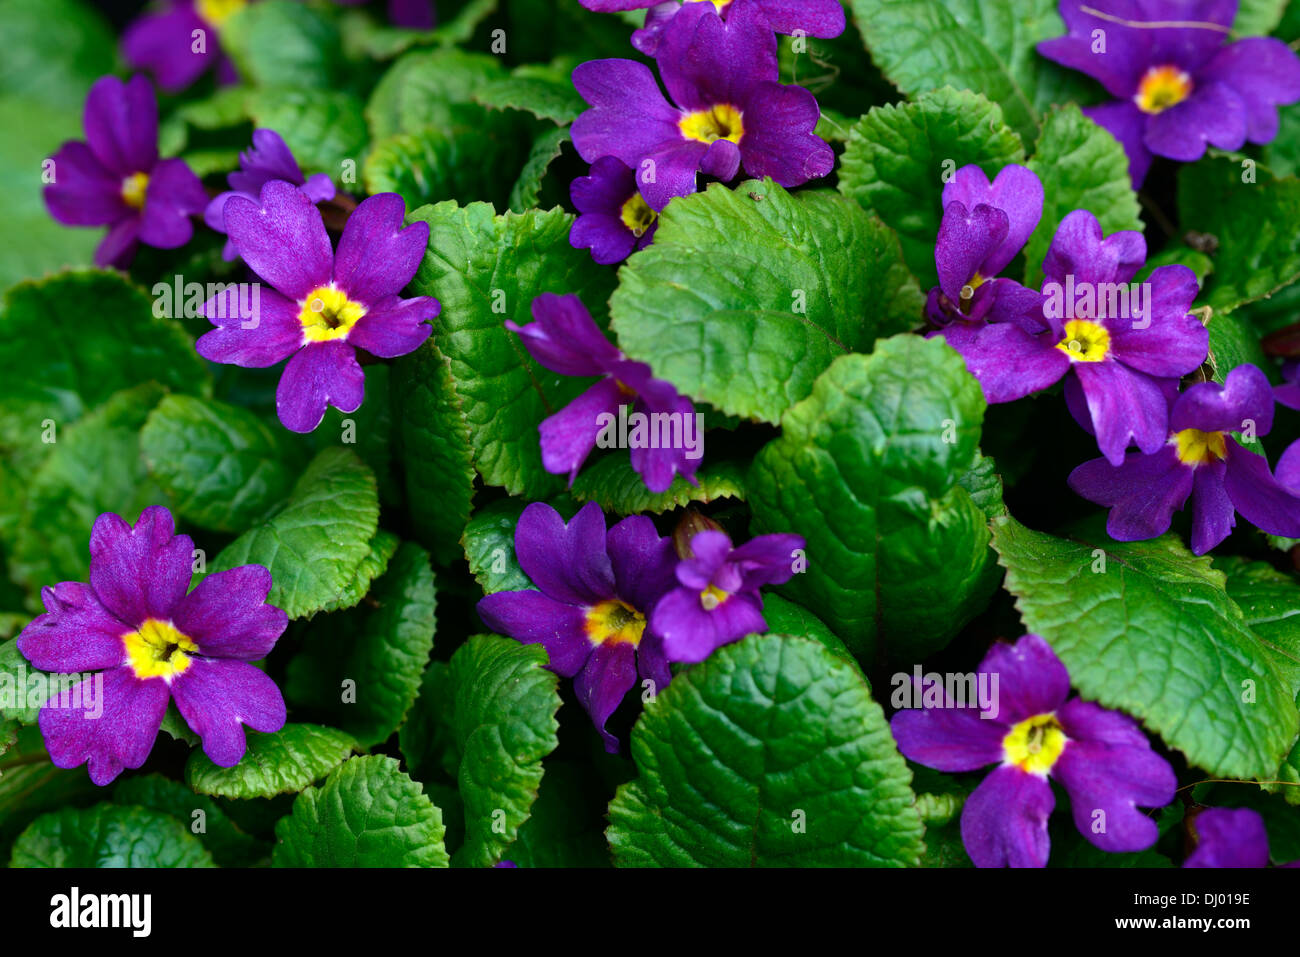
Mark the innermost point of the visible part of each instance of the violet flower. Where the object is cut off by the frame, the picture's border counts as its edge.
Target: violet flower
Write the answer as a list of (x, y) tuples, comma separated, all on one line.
[(565, 339), (614, 220), (730, 110), (594, 591), (1100, 757), (814, 18), (1202, 462), (116, 179), (1288, 393), (268, 159), (1230, 838), (323, 305), (152, 642), (1177, 85), (717, 599), (165, 43)]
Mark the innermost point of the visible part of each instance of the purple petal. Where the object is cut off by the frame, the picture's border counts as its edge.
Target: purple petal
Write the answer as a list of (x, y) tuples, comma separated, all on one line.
[(1004, 821), (533, 618), (1288, 468), (1088, 721), (1257, 495), (84, 193), (268, 157), (376, 257), (658, 467), (119, 244), (567, 562), (816, 18), (227, 616), (1245, 397), (767, 559), (1264, 72), (569, 436), (1229, 838), (283, 240), (564, 338), (1078, 250), (394, 326), (174, 195), (1120, 65), (629, 117), (642, 560), (1213, 516), (704, 61), (163, 45), (218, 697), (949, 738), (1172, 342), (121, 737), (609, 675), (320, 374), (608, 238), (319, 188), (966, 238), (1016, 190), (1143, 492), (691, 633), (1008, 362), (1125, 406), (140, 572), (273, 333), (780, 142), (1213, 114), (76, 633), (1115, 780), (121, 121), (1031, 679)]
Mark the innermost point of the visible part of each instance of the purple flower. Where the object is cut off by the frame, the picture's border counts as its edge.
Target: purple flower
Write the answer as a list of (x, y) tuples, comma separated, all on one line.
[(1177, 85), (1200, 460), (269, 159), (1229, 838), (151, 642), (717, 599), (1100, 757), (614, 220), (166, 45), (729, 109), (1288, 468), (411, 14), (666, 438), (594, 591), (1288, 394), (116, 179), (323, 305), (814, 18)]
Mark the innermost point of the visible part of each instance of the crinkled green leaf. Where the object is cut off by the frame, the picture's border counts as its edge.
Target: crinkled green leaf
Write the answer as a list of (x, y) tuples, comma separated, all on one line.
[(280, 43), (229, 846), (368, 431), (18, 691), (746, 296), (489, 542), (527, 191), (1155, 634), (542, 89), (419, 90), (108, 835), (1258, 17), (771, 753), (325, 129), (612, 483), (1234, 341), (380, 553), (282, 762), (368, 813), (315, 543), (868, 470)]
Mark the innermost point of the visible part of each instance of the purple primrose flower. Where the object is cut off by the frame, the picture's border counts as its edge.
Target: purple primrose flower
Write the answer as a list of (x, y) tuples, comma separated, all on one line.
[(1227, 837), (717, 599), (614, 220), (594, 592), (1288, 394), (323, 305), (167, 45), (730, 110), (1199, 460), (152, 642), (116, 179), (1100, 757), (268, 159), (814, 18), (565, 339), (1177, 85)]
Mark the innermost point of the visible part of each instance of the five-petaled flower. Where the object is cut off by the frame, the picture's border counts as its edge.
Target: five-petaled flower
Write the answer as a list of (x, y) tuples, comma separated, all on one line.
[(181, 42), (1177, 85), (1199, 460), (268, 159), (324, 305), (565, 339), (717, 598), (730, 110), (813, 18), (1100, 757), (153, 642), (116, 179), (614, 220), (594, 591)]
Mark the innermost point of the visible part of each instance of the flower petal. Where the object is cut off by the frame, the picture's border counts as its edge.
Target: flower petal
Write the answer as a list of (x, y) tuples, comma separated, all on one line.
[(1031, 679), (568, 436), (1143, 492), (376, 257), (1228, 837), (320, 374), (1125, 406), (564, 338), (227, 616), (394, 326), (608, 676), (217, 697), (283, 240), (567, 562), (84, 193), (642, 561), (1004, 821), (174, 195), (121, 736), (76, 633), (534, 618), (1257, 495), (140, 572), (256, 327), (121, 121), (1106, 784)]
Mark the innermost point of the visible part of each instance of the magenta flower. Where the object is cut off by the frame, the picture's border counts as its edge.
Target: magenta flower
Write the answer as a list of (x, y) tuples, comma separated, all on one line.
[(717, 599), (166, 44), (666, 440), (1177, 85), (116, 179), (323, 305), (814, 18), (594, 592), (1230, 838), (1100, 757), (1288, 393), (152, 642), (730, 110), (1201, 461), (268, 159), (613, 219)]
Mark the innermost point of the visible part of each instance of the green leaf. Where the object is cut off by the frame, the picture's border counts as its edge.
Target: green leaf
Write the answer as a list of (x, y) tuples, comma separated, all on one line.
[(1156, 635), (1082, 166), (108, 835), (489, 542), (566, 828), (437, 460), (314, 545), (924, 44), (784, 617), (542, 89), (16, 685), (771, 753), (58, 49), (500, 702), (222, 466), (746, 296), (485, 269), (368, 431), (868, 470), (283, 762), (325, 129), (1234, 341), (527, 191), (380, 552), (1254, 223), (1258, 17), (420, 90), (366, 814), (227, 107), (279, 43), (229, 846), (616, 487), (30, 786), (382, 647), (898, 157)]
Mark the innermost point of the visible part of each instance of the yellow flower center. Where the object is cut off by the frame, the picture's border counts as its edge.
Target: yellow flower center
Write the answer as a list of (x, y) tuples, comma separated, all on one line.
[(1198, 448), (712, 597), (134, 188), (217, 12), (638, 216), (158, 650), (614, 622), (1085, 341), (1034, 744), (1162, 87), (327, 313), (721, 122), (721, 4)]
